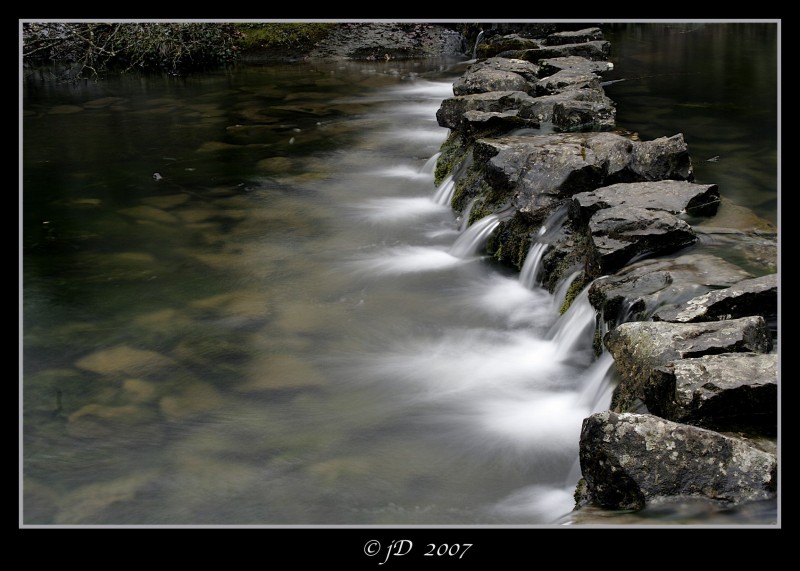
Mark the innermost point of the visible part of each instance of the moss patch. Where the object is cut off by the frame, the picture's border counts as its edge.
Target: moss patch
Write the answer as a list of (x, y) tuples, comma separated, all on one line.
[(574, 289), (511, 243), (452, 153)]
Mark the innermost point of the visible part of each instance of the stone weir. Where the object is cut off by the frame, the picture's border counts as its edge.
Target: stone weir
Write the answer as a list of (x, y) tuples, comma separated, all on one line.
[(694, 414)]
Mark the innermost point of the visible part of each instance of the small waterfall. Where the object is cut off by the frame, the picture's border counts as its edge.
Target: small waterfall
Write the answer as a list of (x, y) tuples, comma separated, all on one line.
[(560, 293), (529, 274), (465, 217), (594, 396), (475, 47), (430, 165), (575, 328), (475, 237), (444, 194), (597, 387)]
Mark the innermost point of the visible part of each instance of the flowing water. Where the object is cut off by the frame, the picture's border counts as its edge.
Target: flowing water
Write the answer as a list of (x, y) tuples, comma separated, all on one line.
[(244, 302)]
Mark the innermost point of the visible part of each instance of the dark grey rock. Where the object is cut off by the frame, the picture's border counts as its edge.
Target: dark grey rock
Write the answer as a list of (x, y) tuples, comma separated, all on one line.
[(594, 50), (622, 233), (493, 45), (671, 196), (575, 115), (497, 74), (757, 296), (629, 460), (549, 66), (730, 391), (485, 80), (567, 79), (451, 112), (492, 123), (574, 36), (542, 107), (641, 346), (565, 164), (525, 69), (639, 289), (663, 158)]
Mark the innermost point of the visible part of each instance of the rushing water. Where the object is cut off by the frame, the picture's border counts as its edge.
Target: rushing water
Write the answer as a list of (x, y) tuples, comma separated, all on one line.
[(245, 302)]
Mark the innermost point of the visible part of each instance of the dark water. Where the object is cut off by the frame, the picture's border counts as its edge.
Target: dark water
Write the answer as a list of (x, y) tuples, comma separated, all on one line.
[(717, 84), (242, 306)]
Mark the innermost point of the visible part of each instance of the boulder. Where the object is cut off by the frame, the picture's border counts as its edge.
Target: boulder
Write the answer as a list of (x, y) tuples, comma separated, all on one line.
[(673, 196), (451, 112), (641, 288), (628, 460), (726, 392), (756, 296), (594, 50), (641, 346), (496, 74)]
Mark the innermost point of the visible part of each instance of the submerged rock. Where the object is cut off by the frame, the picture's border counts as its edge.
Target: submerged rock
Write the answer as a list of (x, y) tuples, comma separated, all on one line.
[(124, 360)]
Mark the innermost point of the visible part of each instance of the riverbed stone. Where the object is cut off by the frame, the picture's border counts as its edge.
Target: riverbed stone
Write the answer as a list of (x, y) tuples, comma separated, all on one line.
[(88, 504), (280, 372), (139, 391), (190, 399), (124, 359), (145, 213), (628, 460), (167, 201)]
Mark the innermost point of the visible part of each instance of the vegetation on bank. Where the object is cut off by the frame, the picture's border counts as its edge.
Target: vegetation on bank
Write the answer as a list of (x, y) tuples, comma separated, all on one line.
[(92, 49), (281, 36)]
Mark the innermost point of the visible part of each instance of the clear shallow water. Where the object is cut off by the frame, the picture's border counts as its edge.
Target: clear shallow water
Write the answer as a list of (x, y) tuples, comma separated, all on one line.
[(279, 329)]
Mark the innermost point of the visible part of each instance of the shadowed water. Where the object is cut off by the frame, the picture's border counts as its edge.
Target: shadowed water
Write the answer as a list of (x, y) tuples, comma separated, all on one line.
[(288, 325)]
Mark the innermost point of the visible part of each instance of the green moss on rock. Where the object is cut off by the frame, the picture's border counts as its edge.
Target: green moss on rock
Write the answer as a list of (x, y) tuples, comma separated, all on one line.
[(576, 287), (452, 153)]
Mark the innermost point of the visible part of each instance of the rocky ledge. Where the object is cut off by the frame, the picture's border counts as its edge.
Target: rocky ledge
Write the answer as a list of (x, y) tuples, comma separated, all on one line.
[(532, 140)]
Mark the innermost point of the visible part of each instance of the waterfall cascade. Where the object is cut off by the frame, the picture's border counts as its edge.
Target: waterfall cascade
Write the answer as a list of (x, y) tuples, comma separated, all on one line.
[(444, 194), (531, 387), (477, 42), (475, 236)]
